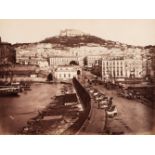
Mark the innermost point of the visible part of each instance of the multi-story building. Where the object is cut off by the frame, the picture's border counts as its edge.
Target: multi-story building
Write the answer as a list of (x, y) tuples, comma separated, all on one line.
[(66, 72), (150, 62), (82, 53), (111, 69), (22, 60), (91, 59), (116, 68), (57, 53), (40, 62), (153, 66), (134, 68), (65, 60)]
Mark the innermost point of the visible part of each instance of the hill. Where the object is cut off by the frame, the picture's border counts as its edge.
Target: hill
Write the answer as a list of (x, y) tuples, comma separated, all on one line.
[(76, 38)]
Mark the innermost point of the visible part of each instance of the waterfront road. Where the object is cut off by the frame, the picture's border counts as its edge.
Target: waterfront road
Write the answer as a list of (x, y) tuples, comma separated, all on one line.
[(15, 111), (94, 125), (133, 117)]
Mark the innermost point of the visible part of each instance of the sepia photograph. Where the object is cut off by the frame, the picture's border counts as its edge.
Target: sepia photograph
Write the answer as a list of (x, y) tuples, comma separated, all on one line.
[(77, 76)]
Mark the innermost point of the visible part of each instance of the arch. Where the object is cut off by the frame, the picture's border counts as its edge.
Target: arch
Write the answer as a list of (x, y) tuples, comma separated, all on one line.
[(78, 72), (73, 62), (50, 77)]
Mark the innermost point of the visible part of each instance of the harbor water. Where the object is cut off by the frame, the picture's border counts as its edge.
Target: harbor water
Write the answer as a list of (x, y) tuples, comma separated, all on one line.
[(15, 111)]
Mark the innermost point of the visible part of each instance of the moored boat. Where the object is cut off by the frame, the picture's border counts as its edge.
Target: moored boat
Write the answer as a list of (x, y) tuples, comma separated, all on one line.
[(9, 91)]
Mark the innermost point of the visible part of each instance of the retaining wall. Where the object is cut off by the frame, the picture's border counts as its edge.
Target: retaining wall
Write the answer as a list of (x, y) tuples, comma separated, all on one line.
[(85, 100)]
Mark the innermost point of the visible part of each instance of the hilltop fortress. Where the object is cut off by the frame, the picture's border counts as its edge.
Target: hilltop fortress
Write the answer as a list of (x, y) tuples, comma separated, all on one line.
[(72, 33)]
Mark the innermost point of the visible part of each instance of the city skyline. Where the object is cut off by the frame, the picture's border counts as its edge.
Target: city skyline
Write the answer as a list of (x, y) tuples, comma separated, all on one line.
[(132, 32)]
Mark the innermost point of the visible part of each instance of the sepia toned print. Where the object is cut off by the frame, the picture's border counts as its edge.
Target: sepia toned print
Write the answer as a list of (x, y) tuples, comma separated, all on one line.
[(77, 77)]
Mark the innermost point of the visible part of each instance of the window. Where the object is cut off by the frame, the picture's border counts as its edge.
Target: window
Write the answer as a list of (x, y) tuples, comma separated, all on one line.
[(121, 73), (64, 75), (121, 63), (117, 73), (69, 75)]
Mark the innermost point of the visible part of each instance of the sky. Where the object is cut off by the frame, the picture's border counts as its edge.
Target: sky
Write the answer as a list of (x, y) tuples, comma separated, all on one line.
[(133, 32)]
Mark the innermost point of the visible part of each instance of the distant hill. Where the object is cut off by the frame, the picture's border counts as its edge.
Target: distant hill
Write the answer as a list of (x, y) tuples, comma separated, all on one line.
[(71, 41), (73, 38), (21, 44), (76, 38), (149, 47)]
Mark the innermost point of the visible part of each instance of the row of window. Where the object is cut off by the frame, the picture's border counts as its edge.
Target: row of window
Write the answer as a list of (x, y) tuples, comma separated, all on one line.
[(113, 63), (65, 75), (113, 67), (120, 74), (114, 72)]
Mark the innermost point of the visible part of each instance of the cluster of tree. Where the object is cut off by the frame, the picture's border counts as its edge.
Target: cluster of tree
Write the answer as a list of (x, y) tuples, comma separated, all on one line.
[(150, 47), (72, 41), (6, 69)]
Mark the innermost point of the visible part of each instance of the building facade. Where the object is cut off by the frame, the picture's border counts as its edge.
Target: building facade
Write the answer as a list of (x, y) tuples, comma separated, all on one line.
[(32, 53), (65, 72), (42, 63), (91, 59), (65, 60), (119, 68), (151, 63), (153, 66)]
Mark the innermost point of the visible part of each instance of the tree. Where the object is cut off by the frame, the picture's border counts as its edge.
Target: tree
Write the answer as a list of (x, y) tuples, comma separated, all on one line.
[(6, 69)]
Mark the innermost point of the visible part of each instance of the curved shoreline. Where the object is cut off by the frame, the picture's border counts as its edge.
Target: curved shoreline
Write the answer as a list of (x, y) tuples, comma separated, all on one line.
[(43, 123)]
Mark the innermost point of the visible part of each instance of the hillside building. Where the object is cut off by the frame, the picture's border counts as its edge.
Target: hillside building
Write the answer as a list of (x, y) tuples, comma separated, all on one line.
[(65, 60), (91, 59)]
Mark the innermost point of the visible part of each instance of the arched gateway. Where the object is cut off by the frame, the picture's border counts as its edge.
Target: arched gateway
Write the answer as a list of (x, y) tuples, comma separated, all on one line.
[(73, 62)]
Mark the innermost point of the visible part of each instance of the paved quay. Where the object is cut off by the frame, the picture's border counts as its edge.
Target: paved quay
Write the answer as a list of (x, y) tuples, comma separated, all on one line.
[(94, 125)]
